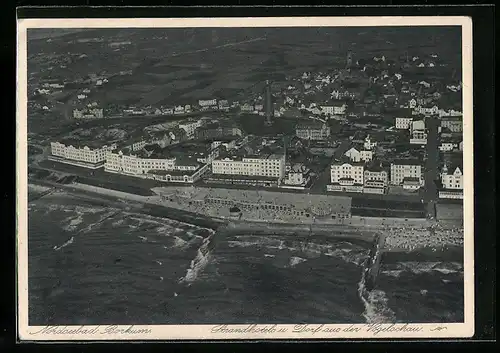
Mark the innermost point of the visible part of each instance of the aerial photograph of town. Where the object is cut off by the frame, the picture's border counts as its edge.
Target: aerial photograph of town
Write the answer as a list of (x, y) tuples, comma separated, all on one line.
[(245, 175)]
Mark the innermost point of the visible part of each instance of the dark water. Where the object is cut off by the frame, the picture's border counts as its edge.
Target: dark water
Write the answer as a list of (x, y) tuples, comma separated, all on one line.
[(98, 265)]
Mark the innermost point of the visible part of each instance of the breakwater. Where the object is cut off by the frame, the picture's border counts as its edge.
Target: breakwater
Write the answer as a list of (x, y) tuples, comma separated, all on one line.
[(372, 267), (352, 234), (33, 197)]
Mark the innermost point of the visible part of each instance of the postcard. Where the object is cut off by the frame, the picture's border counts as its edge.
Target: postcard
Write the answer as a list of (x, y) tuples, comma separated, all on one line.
[(245, 178)]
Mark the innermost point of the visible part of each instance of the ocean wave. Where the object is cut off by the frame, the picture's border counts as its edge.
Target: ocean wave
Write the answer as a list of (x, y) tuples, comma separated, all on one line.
[(118, 222), (74, 222), (392, 273), (200, 261), (101, 219), (311, 249), (37, 188), (70, 241), (426, 267), (180, 243), (375, 303), (295, 260)]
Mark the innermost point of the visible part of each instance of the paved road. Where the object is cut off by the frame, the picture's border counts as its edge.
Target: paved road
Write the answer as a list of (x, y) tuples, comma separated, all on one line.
[(431, 166)]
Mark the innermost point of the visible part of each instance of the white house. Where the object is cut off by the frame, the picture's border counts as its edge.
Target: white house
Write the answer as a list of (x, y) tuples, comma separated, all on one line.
[(401, 169), (403, 123), (418, 133), (369, 144), (375, 180), (452, 180), (246, 107), (359, 155), (450, 144), (179, 109), (84, 156), (297, 175), (338, 109), (190, 127), (420, 110), (453, 123), (223, 104), (207, 102), (346, 177)]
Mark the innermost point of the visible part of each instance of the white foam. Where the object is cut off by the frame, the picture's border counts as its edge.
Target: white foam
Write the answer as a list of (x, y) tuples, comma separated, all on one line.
[(118, 222), (74, 222), (70, 241), (295, 260), (392, 273), (38, 188), (199, 262), (375, 302), (179, 242)]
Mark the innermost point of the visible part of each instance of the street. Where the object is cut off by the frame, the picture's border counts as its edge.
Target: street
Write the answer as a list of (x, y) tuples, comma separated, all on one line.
[(431, 166)]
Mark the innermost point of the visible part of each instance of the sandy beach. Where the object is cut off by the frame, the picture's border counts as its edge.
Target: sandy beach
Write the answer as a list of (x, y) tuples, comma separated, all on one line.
[(398, 238)]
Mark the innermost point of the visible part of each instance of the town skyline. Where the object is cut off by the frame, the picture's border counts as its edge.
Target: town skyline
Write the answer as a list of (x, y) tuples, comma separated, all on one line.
[(230, 153)]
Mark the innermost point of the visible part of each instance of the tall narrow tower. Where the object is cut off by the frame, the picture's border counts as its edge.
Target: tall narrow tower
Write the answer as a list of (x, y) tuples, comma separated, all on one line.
[(268, 105), (349, 60)]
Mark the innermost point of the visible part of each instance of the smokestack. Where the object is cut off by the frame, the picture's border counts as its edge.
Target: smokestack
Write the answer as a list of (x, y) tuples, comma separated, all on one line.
[(268, 104)]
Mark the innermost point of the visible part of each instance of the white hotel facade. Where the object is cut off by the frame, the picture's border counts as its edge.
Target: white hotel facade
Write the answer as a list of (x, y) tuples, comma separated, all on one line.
[(85, 156), (346, 177), (407, 173), (163, 169), (272, 166)]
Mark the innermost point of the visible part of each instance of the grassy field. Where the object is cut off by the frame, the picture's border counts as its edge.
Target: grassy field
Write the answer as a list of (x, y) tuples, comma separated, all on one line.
[(171, 66)]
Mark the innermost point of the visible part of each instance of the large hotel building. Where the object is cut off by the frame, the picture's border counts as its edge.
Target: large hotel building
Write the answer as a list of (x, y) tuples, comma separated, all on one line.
[(271, 166), (154, 166), (80, 154)]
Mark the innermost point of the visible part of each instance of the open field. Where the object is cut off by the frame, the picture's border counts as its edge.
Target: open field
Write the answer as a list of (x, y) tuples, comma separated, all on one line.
[(171, 66)]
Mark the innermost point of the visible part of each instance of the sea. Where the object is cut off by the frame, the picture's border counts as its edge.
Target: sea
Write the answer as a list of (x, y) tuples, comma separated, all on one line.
[(90, 263)]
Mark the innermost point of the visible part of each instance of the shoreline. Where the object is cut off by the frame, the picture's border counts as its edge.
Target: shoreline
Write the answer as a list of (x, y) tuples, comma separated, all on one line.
[(153, 207)]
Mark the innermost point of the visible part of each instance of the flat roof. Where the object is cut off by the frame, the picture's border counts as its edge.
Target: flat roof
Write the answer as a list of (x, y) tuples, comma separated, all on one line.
[(346, 160), (171, 172), (80, 143), (299, 201), (406, 162)]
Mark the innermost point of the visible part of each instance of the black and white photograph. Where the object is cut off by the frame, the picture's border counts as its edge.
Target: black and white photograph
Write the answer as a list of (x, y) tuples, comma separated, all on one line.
[(252, 179)]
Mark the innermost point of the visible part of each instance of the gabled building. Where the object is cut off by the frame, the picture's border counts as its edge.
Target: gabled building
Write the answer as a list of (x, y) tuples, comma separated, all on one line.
[(313, 131), (418, 133), (88, 155), (369, 144), (453, 123), (452, 180), (376, 179), (403, 123), (406, 168), (360, 155), (346, 176), (207, 103)]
